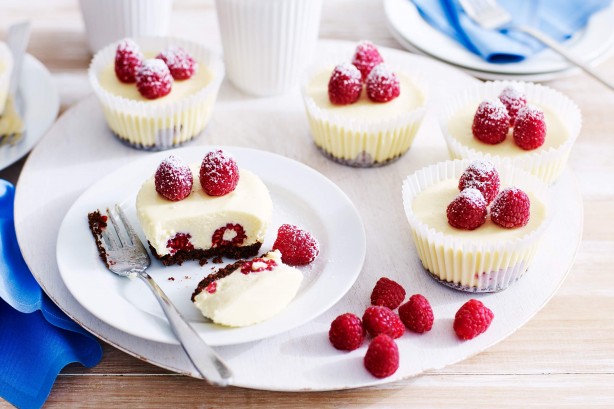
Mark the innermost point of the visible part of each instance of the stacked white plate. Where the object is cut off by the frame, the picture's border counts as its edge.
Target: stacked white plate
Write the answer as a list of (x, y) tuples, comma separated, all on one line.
[(593, 44)]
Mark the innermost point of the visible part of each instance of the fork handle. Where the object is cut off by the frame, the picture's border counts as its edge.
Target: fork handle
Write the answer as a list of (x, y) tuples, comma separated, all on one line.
[(549, 42), (204, 358)]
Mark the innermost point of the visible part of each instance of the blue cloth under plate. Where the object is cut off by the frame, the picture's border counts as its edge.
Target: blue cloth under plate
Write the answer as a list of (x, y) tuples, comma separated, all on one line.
[(37, 339), (559, 19)]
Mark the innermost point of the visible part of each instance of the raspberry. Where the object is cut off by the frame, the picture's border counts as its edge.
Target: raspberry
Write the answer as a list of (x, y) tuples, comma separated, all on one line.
[(382, 84), (344, 86), (491, 122), (128, 58), (381, 320), (297, 246), (229, 235), (417, 314), (257, 265), (173, 179), (180, 63), (387, 293), (472, 319), (181, 241), (346, 332), (366, 57), (482, 175), (468, 210), (219, 173), (153, 79), (530, 128), (511, 208), (382, 357), (513, 100)]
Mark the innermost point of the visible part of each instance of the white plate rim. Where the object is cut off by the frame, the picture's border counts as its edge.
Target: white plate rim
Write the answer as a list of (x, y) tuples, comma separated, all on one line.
[(327, 289), (40, 113), (407, 25)]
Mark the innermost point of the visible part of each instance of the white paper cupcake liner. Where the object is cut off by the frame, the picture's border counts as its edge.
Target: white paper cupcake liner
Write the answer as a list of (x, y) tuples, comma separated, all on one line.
[(355, 141), (107, 21), (6, 61), (158, 126), (268, 43), (482, 265), (547, 164)]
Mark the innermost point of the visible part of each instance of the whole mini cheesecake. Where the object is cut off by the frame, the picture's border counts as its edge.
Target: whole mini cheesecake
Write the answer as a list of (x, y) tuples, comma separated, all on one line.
[(190, 212), (365, 112), (469, 232), (539, 142), (156, 93)]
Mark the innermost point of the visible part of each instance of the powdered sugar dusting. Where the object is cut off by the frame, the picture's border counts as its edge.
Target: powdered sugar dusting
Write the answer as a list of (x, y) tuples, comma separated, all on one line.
[(382, 84), (128, 45), (219, 173), (153, 66), (173, 179), (344, 86), (494, 109), (180, 63), (474, 196), (531, 113), (366, 57)]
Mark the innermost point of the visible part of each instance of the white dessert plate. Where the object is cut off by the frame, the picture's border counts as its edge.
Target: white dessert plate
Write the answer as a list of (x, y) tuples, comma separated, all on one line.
[(415, 33), (41, 103), (300, 196)]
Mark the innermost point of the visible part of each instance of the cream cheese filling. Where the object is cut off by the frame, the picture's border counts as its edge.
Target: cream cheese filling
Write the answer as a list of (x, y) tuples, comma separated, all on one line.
[(245, 299), (200, 215), (459, 126)]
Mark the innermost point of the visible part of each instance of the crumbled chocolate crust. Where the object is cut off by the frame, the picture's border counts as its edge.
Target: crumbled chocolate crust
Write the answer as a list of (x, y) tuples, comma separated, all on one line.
[(98, 223), (221, 273), (201, 255)]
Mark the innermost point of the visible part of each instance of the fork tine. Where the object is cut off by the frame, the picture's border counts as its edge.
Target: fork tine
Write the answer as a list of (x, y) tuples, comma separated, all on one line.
[(131, 233), (119, 242)]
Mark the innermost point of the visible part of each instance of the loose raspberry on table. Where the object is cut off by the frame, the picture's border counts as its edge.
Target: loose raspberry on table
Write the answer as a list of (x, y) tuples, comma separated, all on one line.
[(366, 57), (387, 293), (219, 173), (346, 332), (173, 179), (128, 58), (382, 357), (344, 86), (513, 99), (153, 79), (511, 208), (468, 210), (381, 320), (233, 234), (472, 319), (530, 128), (491, 122), (481, 175), (180, 63), (297, 246), (417, 314), (382, 84)]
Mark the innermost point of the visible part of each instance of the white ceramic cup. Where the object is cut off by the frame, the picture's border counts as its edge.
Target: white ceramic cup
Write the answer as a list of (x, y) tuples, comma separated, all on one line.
[(107, 21), (268, 43)]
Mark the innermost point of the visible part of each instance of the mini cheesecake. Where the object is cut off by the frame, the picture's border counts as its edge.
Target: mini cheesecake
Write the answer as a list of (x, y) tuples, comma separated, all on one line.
[(248, 291), (202, 226)]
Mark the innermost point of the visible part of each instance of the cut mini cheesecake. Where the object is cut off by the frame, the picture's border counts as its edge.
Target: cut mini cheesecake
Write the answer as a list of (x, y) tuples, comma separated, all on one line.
[(248, 291), (200, 226)]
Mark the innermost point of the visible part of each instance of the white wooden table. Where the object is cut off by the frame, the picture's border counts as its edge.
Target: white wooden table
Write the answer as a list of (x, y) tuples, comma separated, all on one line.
[(563, 357)]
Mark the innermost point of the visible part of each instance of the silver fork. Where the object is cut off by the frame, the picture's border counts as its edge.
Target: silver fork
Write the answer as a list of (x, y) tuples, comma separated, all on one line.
[(126, 256), (490, 15)]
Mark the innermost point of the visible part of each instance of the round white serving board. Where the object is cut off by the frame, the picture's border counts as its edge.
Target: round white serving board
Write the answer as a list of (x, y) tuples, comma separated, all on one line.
[(79, 150)]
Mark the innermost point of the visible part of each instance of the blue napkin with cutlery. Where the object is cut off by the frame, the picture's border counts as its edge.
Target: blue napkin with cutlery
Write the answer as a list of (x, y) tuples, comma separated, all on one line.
[(37, 339), (558, 19)]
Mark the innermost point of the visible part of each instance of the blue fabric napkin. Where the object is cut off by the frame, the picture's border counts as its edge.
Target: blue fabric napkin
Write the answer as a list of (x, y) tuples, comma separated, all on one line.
[(37, 339), (559, 19)]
